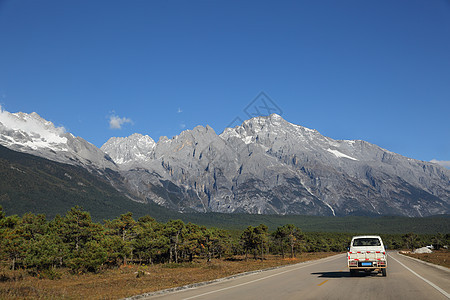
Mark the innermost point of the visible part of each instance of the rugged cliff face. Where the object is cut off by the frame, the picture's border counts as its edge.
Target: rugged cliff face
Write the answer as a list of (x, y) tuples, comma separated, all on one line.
[(266, 165)]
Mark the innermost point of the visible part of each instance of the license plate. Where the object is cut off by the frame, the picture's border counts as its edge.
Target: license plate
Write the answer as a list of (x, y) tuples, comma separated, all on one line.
[(366, 264)]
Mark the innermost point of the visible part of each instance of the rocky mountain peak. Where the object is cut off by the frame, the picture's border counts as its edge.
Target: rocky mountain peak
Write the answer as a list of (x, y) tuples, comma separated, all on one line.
[(30, 133), (136, 147), (271, 130)]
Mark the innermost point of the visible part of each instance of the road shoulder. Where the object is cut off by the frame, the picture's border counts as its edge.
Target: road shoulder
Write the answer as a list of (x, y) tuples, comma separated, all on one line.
[(426, 263)]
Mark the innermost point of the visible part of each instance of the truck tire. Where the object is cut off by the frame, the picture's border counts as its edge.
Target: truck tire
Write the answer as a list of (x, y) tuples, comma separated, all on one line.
[(353, 273), (383, 271)]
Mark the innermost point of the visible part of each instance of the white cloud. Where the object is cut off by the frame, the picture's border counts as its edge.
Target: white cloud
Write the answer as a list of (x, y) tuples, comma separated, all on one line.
[(179, 111), (444, 163), (116, 122), (182, 125)]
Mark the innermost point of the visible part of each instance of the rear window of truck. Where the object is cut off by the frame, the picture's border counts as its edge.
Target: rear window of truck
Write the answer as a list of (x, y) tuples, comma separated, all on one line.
[(366, 242)]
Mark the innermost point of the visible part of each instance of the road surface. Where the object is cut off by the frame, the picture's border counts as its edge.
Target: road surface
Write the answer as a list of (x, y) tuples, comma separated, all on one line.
[(329, 278)]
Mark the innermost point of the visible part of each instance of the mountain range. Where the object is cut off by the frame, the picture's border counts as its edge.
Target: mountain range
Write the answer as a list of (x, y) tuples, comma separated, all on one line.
[(266, 165)]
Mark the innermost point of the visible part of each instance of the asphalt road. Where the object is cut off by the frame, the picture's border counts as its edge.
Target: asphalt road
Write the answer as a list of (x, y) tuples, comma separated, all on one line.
[(329, 278)]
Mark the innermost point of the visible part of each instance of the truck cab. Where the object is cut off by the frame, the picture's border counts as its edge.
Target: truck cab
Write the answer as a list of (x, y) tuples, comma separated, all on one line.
[(367, 253)]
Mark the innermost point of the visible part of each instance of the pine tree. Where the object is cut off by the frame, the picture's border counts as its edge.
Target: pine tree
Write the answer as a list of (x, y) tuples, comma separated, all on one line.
[(12, 244), (174, 230), (77, 228), (149, 239), (124, 227), (410, 240), (254, 239), (46, 251)]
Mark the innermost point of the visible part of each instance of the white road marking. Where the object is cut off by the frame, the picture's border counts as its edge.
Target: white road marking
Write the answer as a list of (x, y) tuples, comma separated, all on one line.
[(259, 279), (424, 279)]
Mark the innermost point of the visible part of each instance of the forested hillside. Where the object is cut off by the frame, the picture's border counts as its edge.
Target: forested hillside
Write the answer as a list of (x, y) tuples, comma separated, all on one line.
[(33, 184)]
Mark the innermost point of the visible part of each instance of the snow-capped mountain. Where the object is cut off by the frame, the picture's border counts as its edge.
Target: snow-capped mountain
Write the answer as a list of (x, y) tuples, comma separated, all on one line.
[(32, 134), (268, 165), (265, 165), (130, 150)]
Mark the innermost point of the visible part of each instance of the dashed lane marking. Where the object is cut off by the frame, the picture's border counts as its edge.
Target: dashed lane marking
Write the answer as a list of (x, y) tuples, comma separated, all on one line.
[(322, 282)]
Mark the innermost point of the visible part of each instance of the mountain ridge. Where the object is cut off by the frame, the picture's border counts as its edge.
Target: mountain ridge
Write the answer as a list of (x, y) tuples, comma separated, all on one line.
[(266, 165), (308, 163)]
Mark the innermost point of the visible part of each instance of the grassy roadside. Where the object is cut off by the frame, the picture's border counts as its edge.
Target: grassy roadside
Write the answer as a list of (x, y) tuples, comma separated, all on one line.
[(131, 280), (440, 257)]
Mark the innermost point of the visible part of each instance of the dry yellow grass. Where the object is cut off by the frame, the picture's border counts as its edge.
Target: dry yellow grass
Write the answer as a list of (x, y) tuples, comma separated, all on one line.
[(441, 257), (125, 282)]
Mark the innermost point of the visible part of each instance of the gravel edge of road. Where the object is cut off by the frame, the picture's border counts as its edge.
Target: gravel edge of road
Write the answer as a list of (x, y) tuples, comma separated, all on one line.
[(199, 284), (427, 263)]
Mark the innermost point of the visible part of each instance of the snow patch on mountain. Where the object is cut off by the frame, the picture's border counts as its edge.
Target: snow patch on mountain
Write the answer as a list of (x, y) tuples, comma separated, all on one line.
[(30, 130), (340, 154), (32, 134), (329, 206)]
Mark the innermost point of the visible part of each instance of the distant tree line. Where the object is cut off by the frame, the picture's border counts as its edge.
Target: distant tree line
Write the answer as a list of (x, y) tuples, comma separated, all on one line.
[(74, 241)]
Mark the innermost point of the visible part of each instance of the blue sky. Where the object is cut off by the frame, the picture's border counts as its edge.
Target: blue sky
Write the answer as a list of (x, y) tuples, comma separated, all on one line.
[(372, 70)]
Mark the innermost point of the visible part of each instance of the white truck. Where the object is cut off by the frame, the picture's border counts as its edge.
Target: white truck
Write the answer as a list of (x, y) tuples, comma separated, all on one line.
[(367, 253)]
